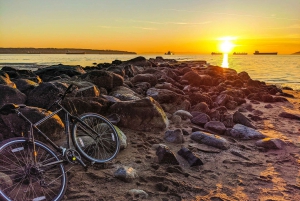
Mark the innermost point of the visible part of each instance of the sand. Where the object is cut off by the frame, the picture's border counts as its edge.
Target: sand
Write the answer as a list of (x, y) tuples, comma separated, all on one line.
[(267, 175)]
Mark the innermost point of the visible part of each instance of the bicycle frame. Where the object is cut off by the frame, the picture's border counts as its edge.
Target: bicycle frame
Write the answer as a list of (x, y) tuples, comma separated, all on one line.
[(34, 126)]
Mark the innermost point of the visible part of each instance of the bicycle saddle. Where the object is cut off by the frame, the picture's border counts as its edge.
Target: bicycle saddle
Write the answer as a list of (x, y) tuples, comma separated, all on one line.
[(10, 108)]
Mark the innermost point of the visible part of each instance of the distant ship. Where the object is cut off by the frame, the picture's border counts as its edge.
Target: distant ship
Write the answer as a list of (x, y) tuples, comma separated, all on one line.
[(264, 53), (216, 53), (75, 52), (169, 53), (240, 53)]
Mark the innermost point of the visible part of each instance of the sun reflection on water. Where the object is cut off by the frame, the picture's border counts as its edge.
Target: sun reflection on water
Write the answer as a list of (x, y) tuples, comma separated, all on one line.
[(225, 63)]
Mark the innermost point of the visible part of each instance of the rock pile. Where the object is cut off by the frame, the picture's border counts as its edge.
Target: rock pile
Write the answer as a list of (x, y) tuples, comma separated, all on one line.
[(147, 95)]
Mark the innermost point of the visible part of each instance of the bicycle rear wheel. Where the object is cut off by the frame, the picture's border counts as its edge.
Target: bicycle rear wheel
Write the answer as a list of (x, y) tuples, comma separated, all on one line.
[(23, 179), (95, 138)]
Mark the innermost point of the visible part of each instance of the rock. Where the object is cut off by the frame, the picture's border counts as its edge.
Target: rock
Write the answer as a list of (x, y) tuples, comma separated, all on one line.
[(138, 61), (174, 136), (246, 133), (5, 79), (44, 95), (166, 156), (176, 119), (200, 119), (124, 94), (117, 70), (215, 127), (242, 109), (151, 79), (56, 70), (289, 115), (210, 139), (241, 119), (268, 106), (25, 85), (122, 138), (198, 98), (193, 78), (231, 105), (165, 95), (138, 194), (214, 115), (201, 107), (105, 79), (227, 120), (223, 99), (53, 128), (126, 174), (89, 91), (192, 159), (80, 105), (244, 76), (183, 114), (270, 143), (257, 112), (145, 114), (11, 95)]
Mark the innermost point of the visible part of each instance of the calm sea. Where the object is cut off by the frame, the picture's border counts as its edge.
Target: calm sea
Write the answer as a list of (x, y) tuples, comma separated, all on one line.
[(283, 70)]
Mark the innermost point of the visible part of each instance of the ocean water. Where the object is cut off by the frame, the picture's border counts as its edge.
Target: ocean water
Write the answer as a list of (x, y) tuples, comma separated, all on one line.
[(282, 70)]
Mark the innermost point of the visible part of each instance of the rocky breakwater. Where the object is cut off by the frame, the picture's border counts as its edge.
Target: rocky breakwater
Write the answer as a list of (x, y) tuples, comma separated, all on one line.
[(170, 111)]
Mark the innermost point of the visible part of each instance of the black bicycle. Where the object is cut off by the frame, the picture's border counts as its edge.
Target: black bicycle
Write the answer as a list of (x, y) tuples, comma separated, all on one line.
[(31, 170)]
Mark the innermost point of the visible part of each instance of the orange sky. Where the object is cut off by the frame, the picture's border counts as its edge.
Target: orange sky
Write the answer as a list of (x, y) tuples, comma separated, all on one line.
[(191, 27)]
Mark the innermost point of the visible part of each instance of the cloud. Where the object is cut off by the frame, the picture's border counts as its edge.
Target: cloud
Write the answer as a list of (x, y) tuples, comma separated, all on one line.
[(273, 16), (294, 26), (146, 28)]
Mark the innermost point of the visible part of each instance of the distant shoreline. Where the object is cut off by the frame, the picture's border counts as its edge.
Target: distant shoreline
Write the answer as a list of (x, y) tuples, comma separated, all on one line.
[(59, 51)]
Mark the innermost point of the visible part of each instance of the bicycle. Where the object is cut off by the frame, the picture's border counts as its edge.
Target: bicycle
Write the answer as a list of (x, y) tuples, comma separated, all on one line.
[(31, 170)]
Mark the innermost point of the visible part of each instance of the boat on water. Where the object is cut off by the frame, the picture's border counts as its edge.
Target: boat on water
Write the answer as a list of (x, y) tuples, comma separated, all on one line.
[(264, 53), (240, 53), (169, 53), (68, 52), (216, 53)]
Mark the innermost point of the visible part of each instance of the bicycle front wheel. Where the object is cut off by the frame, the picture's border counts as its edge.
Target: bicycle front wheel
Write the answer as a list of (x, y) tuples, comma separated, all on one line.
[(95, 138), (21, 178)]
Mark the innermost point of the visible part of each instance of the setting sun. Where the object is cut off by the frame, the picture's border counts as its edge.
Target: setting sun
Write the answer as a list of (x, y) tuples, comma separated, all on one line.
[(226, 46)]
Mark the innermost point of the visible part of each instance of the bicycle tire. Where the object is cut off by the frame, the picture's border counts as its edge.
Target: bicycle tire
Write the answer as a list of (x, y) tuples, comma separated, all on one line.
[(21, 179), (99, 142)]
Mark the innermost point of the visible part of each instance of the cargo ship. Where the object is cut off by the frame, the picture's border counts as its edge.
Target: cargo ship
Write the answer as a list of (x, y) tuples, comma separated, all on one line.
[(264, 53), (240, 53), (169, 53), (216, 53)]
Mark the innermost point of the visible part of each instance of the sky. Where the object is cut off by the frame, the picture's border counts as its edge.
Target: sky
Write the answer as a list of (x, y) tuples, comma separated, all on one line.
[(152, 26)]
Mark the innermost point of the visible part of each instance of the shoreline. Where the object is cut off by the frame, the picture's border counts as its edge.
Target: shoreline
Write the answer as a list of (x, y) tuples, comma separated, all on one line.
[(249, 144)]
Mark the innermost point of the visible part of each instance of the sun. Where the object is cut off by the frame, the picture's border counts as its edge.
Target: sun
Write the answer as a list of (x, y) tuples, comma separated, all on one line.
[(226, 44)]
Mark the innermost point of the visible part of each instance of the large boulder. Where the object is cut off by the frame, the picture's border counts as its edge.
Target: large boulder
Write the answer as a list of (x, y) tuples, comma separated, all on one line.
[(150, 78), (25, 85), (193, 78), (165, 95), (138, 61), (210, 139), (105, 79), (48, 73), (145, 114), (246, 133), (11, 95), (124, 94), (44, 95), (53, 128)]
